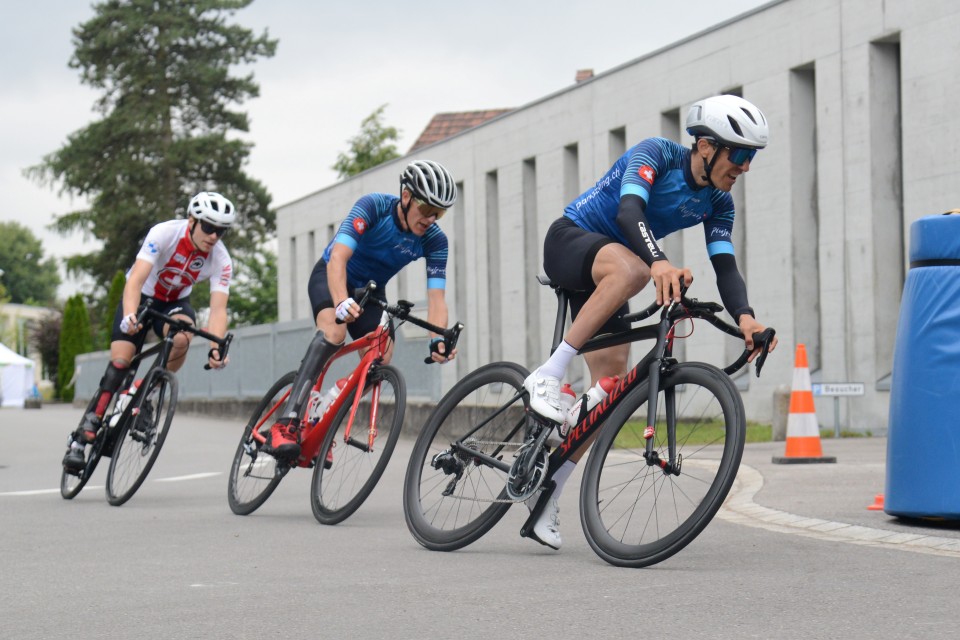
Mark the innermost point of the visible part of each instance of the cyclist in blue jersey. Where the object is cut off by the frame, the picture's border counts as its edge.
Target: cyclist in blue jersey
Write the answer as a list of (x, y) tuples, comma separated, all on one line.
[(381, 235), (605, 247)]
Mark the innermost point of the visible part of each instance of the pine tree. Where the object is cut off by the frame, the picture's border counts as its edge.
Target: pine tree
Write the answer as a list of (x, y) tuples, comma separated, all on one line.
[(109, 309), (164, 67), (75, 339)]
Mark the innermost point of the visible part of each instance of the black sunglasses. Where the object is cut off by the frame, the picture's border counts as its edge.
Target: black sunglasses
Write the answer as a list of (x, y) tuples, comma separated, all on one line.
[(210, 229)]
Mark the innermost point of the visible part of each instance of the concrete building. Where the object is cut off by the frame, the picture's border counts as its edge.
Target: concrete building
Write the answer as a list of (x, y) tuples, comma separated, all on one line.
[(862, 143)]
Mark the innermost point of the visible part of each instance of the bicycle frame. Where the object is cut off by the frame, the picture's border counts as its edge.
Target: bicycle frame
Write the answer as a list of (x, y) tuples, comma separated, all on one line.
[(651, 367), (376, 342)]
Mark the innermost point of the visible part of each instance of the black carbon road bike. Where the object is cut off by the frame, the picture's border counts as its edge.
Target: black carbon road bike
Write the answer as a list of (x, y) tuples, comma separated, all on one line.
[(669, 438)]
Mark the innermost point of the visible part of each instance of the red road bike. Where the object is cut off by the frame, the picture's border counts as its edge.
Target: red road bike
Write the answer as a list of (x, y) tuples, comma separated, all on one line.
[(355, 435)]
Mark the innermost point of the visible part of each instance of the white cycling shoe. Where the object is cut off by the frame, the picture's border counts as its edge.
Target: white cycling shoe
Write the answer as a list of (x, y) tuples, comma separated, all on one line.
[(544, 396), (547, 529)]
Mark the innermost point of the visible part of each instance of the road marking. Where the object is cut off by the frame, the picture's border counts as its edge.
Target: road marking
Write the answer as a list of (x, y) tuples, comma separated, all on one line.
[(194, 476), (40, 492), (741, 509)]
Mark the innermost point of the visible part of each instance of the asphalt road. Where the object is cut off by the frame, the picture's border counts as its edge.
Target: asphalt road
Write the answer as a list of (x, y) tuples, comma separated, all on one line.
[(174, 562)]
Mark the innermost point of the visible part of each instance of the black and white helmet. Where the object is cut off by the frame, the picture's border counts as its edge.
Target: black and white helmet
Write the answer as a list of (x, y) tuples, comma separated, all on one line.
[(212, 207), (730, 121), (430, 182)]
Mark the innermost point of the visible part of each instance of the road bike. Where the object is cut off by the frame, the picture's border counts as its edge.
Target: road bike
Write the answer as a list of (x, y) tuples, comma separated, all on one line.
[(670, 436), (354, 436), (136, 423)]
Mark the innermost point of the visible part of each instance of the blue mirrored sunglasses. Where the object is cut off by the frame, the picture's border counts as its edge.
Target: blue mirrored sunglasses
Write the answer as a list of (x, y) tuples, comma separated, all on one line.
[(739, 155)]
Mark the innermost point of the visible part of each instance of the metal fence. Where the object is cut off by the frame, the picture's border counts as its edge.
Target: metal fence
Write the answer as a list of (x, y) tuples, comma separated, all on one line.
[(259, 355)]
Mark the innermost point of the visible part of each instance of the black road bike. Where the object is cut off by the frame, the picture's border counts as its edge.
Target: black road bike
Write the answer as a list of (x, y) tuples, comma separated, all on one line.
[(136, 423), (670, 440)]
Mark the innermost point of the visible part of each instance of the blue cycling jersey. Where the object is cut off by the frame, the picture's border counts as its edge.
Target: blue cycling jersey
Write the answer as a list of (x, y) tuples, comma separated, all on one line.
[(381, 248), (658, 171)]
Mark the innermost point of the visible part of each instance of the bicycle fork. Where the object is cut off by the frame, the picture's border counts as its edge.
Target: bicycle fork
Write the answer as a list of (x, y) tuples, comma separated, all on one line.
[(660, 364)]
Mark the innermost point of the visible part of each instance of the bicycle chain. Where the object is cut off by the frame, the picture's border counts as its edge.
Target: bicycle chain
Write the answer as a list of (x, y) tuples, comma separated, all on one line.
[(515, 445)]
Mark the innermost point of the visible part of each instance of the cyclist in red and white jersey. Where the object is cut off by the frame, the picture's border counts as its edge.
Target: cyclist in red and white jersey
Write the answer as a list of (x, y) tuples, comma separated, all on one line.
[(175, 256)]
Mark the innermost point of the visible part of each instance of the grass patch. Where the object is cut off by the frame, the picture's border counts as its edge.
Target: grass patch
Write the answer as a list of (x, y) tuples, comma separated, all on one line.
[(631, 437)]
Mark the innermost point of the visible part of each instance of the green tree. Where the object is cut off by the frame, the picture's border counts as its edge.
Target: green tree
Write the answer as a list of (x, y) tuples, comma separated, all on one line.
[(109, 309), (45, 338), (253, 294), (168, 116), (75, 338), (27, 277), (371, 147)]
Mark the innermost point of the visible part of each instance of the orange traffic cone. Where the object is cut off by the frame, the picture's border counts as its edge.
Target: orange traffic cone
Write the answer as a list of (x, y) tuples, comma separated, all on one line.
[(877, 503), (803, 432)]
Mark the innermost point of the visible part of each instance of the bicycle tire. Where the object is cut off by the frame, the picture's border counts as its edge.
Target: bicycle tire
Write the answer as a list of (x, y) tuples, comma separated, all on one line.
[(255, 474), (635, 515), (449, 522), (141, 436), (72, 483), (338, 491)]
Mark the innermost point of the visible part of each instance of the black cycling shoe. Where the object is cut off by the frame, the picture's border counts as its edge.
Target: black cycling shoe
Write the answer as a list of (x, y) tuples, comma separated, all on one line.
[(87, 431), (74, 461)]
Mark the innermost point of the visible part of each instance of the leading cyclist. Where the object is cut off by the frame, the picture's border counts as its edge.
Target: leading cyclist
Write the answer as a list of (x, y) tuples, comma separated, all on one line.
[(381, 235), (605, 247), (174, 256)]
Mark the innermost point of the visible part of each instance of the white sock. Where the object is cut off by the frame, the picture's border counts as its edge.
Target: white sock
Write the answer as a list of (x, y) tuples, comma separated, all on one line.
[(560, 477), (556, 366)]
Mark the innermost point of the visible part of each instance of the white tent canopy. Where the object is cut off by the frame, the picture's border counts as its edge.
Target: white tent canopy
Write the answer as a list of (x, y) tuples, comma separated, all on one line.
[(17, 376)]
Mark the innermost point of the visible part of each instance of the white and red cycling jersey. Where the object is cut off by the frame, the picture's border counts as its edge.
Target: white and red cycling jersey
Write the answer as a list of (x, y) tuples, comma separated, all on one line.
[(178, 264)]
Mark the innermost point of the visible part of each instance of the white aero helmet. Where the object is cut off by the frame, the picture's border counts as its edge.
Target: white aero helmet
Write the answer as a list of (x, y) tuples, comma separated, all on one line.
[(430, 182), (728, 120), (214, 208)]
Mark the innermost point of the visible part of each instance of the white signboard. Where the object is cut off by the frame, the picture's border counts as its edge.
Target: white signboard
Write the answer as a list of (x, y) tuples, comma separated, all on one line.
[(838, 389)]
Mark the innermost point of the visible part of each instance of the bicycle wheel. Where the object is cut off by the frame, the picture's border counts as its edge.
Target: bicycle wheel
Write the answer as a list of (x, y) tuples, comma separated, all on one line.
[(141, 436), (254, 473), (451, 499), (633, 514), (72, 483), (336, 492)]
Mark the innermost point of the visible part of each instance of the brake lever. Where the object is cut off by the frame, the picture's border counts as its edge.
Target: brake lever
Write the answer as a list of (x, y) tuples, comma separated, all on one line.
[(764, 337), (450, 338)]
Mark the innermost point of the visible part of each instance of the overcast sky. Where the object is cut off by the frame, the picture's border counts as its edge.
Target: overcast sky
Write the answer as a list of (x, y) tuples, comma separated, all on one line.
[(335, 64)]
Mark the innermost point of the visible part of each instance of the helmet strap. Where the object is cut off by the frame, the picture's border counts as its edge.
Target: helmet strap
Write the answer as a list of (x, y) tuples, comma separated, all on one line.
[(405, 209), (708, 166)]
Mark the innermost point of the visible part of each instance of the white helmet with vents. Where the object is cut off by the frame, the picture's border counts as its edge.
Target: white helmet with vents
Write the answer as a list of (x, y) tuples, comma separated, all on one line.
[(730, 121), (212, 207)]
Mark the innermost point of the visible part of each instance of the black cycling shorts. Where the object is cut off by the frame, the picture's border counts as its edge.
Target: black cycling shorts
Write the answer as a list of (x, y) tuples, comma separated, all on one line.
[(568, 255), (320, 299), (176, 307)]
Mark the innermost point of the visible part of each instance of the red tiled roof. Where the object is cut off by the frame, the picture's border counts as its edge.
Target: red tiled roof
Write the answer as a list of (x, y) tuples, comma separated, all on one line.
[(444, 125)]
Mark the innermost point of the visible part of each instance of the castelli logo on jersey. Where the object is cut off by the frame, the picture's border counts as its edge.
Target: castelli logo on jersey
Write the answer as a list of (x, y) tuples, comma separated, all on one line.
[(647, 173), (359, 225)]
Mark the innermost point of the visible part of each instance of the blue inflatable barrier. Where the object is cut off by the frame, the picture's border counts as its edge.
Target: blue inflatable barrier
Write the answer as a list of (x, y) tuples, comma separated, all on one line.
[(923, 438)]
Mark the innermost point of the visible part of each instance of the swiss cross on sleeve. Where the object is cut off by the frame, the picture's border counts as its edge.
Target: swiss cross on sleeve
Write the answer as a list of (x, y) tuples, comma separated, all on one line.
[(359, 225), (647, 173)]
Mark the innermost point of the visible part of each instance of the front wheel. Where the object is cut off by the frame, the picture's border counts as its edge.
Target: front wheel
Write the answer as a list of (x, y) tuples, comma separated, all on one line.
[(255, 473), (451, 498), (635, 514), (348, 468), (141, 436)]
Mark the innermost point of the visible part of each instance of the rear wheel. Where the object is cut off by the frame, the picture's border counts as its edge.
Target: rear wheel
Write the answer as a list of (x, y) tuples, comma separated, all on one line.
[(633, 513), (450, 498), (142, 434), (354, 466), (255, 473), (72, 483)]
